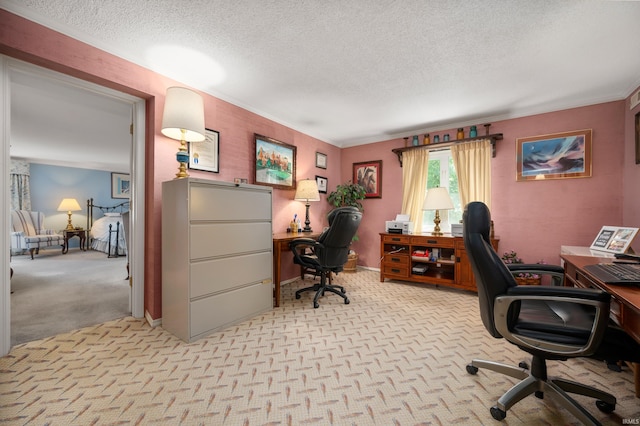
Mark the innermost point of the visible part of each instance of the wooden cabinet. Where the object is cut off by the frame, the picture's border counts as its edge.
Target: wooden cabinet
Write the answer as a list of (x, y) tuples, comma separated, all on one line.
[(217, 255), (440, 260)]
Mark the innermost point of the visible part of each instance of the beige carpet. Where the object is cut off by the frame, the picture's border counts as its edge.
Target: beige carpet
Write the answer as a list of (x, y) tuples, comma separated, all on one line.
[(395, 356)]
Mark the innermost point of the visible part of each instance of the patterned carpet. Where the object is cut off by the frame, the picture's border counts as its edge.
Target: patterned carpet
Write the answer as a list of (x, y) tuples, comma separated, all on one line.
[(395, 356)]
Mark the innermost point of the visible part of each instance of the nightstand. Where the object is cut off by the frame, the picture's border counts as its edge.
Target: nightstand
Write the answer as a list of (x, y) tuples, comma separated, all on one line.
[(80, 233)]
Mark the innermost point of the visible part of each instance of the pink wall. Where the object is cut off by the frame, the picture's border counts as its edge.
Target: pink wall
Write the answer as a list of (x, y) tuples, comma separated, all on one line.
[(534, 218), (631, 172)]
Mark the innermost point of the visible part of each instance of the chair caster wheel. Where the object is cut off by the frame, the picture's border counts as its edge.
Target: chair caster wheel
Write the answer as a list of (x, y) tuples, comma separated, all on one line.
[(316, 305), (605, 407), (297, 296), (524, 365), (497, 413), (539, 394), (471, 369), (346, 301)]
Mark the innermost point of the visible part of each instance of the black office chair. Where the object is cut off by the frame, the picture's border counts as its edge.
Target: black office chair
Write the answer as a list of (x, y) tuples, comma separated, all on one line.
[(548, 322), (329, 252)]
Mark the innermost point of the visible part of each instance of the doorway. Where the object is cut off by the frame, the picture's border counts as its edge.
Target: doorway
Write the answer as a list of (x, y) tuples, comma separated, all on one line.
[(10, 68)]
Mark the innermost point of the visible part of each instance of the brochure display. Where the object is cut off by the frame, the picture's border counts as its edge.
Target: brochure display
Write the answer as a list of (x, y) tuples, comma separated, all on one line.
[(614, 239)]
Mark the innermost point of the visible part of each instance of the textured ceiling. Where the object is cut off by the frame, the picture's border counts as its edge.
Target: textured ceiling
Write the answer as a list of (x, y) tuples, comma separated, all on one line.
[(360, 71)]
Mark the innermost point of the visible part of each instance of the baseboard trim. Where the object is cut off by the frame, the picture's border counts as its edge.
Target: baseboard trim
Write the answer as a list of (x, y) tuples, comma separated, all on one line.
[(152, 322)]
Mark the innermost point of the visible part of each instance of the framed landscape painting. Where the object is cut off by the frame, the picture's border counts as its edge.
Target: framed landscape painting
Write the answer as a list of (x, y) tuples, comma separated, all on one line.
[(554, 156), (275, 163)]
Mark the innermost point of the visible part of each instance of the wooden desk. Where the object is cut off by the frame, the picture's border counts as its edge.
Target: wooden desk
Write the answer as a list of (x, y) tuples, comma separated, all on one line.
[(625, 300), (280, 244)]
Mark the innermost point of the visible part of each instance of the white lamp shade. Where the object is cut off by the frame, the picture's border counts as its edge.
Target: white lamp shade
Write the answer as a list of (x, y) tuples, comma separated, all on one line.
[(437, 199), (307, 190), (183, 110), (69, 205)]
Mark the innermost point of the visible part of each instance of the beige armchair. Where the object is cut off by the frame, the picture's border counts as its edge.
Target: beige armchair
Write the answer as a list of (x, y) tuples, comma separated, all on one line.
[(28, 232)]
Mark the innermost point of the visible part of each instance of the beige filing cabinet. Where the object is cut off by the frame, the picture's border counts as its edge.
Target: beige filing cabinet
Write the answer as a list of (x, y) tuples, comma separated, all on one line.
[(217, 255)]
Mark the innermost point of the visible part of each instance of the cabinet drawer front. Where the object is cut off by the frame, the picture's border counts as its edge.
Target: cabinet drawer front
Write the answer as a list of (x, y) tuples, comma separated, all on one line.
[(396, 259), (397, 239), (216, 275), (223, 309), (398, 270), (433, 241), (229, 203), (217, 239)]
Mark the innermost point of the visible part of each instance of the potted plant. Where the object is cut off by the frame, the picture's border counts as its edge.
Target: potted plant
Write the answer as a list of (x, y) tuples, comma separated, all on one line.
[(348, 195), (523, 278)]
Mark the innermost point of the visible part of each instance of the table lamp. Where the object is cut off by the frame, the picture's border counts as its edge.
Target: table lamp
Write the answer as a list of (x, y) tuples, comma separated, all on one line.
[(183, 120), (69, 205), (306, 191), (437, 199)]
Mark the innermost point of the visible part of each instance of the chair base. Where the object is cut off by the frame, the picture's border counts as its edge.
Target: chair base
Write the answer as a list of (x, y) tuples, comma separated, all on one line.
[(536, 382), (320, 289)]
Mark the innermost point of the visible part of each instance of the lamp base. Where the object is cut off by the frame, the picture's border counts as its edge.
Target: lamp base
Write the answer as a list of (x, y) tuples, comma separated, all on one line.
[(69, 224), (307, 222), (183, 160), (436, 229)]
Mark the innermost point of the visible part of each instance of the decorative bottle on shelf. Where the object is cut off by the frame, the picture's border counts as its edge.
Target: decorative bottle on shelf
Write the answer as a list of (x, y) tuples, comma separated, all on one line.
[(473, 132), (436, 139), (426, 140), (415, 141), (406, 142), (445, 138), (460, 134)]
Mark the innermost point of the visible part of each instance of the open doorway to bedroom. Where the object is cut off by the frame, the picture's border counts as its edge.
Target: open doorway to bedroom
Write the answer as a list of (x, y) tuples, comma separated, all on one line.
[(70, 123)]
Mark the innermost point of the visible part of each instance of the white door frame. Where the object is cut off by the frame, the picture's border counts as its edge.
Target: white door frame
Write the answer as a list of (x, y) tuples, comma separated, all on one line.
[(136, 249)]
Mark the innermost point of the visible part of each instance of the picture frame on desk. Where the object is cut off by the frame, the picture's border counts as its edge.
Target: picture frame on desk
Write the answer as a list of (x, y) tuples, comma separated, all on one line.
[(614, 239)]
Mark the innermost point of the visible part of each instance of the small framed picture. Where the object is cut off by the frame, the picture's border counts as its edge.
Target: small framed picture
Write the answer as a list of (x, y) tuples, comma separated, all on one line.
[(120, 185), (322, 184), (205, 155), (614, 239), (321, 160)]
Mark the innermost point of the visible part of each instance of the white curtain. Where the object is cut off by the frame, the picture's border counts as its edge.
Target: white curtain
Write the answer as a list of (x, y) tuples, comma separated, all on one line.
[(19, 184), (472, 161), (415, 164)]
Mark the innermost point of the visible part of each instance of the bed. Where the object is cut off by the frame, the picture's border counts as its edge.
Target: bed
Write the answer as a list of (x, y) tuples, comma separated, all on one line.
[(108, 228)]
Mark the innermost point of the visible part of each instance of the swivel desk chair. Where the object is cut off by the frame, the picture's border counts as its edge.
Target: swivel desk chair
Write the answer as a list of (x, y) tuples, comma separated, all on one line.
[(329, 252), (548, 322)]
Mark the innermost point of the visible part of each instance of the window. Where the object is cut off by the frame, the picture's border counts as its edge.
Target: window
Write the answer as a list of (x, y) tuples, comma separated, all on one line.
[(443, 173)]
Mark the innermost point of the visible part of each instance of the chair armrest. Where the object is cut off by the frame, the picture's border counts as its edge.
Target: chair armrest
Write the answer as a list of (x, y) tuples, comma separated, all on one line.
[(299, 245), (555, 272), (566, 304), (17, 233)]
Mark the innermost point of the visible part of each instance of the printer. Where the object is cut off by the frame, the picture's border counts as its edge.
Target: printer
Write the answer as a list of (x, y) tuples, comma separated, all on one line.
[(399, 226)]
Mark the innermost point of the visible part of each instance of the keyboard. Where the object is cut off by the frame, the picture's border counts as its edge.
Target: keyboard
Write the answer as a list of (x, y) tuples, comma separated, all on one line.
[(616, 273)]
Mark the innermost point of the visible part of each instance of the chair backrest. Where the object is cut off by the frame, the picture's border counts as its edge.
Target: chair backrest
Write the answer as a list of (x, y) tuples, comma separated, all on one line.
[(493, 278), (343, 225), (31, 223)]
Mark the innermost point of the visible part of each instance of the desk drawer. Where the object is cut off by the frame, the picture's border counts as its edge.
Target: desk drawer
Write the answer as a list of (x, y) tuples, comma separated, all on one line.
[(396, 259), (631, 321), (429, 241), (400, 270), (395, 239)]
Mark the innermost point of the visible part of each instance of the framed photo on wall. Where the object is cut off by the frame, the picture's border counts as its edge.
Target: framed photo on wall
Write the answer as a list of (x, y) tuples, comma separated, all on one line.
[(368, 174), (321, 160), (275, 163), (614, 239), (205, 155), (322, 184), (120, 185), (554, 156)]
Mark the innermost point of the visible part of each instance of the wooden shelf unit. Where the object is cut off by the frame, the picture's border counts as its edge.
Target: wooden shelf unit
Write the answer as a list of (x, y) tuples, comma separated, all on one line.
[(442, 145), (451, 269)]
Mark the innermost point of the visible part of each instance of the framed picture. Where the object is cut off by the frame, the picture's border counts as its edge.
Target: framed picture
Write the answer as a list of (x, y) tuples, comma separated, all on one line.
[(205, 155), (368, 174), (321, 160), (120, 185), (322, 184), (275, 163), (614, 239), (555, 156), (638, 138)]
